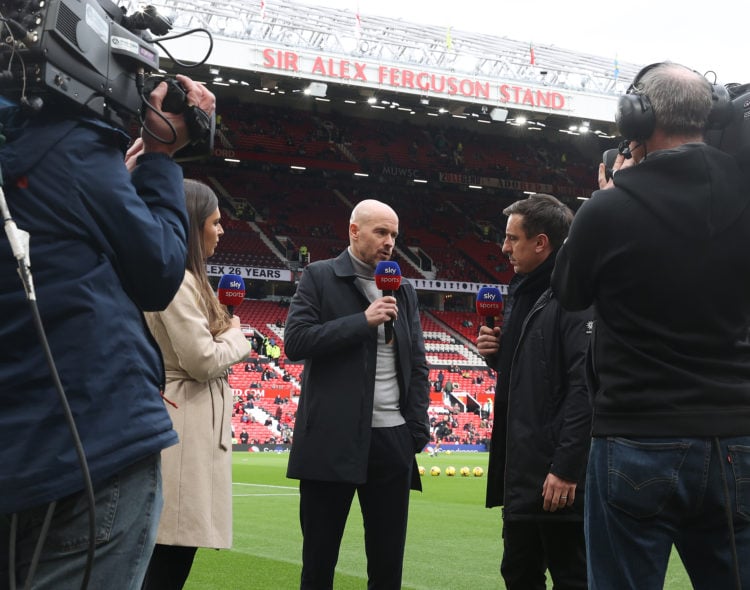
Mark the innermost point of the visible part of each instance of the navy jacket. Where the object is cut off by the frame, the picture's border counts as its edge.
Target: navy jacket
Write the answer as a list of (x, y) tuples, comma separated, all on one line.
[(327, 327), (104, 246)]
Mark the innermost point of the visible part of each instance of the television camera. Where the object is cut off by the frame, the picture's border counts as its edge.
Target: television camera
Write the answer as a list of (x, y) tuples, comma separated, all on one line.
[(90, 56), (731, 136), (734, 138)]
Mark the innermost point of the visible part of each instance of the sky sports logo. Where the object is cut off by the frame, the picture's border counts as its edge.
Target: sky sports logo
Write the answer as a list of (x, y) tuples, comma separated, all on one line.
[(234, 295), (389, 282), (488, 306), (489, 301)]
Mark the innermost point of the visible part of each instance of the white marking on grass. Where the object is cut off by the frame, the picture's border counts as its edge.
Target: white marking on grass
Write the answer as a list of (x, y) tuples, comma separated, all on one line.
[(261, 485)]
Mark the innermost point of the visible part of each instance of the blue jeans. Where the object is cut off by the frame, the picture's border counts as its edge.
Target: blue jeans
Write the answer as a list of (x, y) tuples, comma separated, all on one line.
[(128, 507), (644, 495)]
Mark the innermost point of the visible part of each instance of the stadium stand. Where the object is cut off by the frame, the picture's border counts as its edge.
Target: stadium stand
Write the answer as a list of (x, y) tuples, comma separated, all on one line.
[(449, 348)]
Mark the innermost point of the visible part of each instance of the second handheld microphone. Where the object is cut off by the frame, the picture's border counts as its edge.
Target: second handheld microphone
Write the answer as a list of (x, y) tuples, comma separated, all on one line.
[(231, 291), (489, 304)]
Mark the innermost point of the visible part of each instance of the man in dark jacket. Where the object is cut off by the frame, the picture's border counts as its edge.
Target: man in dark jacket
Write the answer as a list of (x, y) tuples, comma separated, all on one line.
[(363, 405), (663, 254), (105, 245), (542, 423)]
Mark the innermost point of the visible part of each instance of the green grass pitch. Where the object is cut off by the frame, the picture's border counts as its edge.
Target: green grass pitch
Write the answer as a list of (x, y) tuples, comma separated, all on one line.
[(453, 541)]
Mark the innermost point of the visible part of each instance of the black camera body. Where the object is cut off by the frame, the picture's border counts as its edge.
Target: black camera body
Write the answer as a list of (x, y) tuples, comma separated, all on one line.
[(89, 56), (74, 53), (735, 137)]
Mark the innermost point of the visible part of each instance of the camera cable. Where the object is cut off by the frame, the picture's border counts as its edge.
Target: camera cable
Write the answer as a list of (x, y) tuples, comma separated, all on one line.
[(19, 242)]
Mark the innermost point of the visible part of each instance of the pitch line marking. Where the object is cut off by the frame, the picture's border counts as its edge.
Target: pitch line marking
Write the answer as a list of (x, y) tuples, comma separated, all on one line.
[(263, 485)]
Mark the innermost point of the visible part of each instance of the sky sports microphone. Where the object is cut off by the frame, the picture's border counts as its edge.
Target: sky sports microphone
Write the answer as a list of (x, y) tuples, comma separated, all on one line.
[(388, 280), (231, 291), (489, 304)]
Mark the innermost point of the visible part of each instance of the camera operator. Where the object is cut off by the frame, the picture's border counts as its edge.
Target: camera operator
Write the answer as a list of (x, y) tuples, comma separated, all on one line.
[(106, 244), (662, 253)]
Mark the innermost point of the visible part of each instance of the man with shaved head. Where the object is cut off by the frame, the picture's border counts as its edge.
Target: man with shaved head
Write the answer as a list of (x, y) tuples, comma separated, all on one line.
[(363, 407)]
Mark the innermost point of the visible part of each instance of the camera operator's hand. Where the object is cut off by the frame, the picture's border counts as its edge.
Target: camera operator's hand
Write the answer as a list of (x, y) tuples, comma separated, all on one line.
[(131, 156), (636, 151), (159, 123)]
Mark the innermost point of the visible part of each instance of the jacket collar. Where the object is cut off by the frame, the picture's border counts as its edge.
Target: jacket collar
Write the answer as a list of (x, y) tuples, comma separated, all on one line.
[(342, 265)]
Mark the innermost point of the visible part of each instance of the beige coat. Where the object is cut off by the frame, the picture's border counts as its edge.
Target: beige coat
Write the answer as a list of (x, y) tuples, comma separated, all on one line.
[(196, 473)]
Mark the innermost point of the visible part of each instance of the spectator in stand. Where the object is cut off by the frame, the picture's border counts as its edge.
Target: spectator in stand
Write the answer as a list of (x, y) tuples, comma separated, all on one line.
[(541, 437), (258, 344), (368, 396), (274, 353), (106, 244), (244, 436), (199, 342), (487, 408)]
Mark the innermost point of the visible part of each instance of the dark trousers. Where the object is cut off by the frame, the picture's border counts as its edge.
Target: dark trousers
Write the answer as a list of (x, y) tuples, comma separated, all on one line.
[(384, 502), (169, 567), (531, 548)]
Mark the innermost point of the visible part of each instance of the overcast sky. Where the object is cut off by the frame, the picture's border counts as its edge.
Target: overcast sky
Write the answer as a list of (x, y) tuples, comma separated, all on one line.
[(702, 36)]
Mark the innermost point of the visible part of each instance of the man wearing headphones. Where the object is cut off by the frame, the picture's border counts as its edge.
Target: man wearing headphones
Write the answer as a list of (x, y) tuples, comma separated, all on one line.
[(662, 253)]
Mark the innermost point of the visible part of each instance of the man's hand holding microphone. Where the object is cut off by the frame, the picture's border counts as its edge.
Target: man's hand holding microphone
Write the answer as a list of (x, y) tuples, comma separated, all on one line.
[(490, 305), (385, 309)]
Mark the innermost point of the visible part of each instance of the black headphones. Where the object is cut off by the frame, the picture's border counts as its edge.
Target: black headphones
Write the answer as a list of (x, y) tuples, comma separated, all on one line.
[(635, 115)]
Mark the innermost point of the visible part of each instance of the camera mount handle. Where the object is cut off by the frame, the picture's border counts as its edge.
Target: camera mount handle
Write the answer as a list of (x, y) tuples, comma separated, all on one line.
[(19, 244)]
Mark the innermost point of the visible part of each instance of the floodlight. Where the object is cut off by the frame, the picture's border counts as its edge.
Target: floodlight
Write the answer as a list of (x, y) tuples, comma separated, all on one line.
[(498, 114)]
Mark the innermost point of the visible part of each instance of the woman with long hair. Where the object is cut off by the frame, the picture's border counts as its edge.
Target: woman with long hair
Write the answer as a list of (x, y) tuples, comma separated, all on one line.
[(199, 342)]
